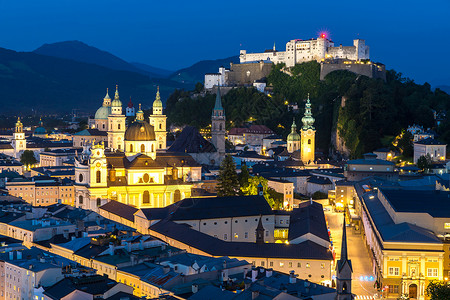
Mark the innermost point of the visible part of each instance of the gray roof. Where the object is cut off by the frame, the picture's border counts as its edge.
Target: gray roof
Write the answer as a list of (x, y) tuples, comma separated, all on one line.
[(120, 209), (308, 218), (211, 208), (437, 203), (362, 161), (94, 285), (429, 141), (217, 247)]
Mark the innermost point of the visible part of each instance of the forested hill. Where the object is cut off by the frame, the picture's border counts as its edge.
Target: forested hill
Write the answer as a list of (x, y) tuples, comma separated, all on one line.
[(32, 82), (368, 113)]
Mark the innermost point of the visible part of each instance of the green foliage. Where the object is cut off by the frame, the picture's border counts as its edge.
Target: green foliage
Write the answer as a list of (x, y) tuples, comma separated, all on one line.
[(424, 162), (319, 195), (27, 158), (244, 176), (406, 145), (198, 87), (438, 290), (228, 184), (272, 197)]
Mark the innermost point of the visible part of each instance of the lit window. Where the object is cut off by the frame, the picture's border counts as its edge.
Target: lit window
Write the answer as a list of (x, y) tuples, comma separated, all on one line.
[(308, 265), (432, 272)]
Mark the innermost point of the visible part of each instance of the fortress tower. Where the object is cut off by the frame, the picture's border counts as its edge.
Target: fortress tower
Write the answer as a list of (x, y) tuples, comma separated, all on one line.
[(308, 135)]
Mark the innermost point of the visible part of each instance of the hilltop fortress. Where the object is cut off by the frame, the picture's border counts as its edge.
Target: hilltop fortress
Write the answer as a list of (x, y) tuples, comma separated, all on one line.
[(299, 51)]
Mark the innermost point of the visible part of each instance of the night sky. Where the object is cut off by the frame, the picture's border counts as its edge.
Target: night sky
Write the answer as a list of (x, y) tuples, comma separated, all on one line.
[(412, 37)]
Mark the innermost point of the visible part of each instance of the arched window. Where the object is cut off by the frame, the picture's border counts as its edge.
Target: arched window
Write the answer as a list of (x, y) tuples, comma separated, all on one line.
[(160, 126), (118, 126), (98, 177), (80, 199), (103, 126), (344, 287), (118, 147), (80, 178), (177, 196), (160, 146), (142, 148), (309, 142), (99, 201), (146, 197), (153, 148), (220, 126), (131, 148)]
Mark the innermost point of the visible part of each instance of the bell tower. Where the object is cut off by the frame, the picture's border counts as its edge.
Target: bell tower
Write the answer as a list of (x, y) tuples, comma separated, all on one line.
[(116, 124), (158, 121), (218, 125), (344, 271), (308, 135), (19, 143)]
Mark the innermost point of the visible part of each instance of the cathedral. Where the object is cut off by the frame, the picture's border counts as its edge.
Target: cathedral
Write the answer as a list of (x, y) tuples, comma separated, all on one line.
[(132, 167)]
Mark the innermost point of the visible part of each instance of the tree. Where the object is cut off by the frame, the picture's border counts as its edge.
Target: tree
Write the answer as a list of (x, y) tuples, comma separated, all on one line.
[(228, 184), (27, 158), (243, 176), (198, 87), (272, 197), (438, 290), (424, 162), (406, 145)]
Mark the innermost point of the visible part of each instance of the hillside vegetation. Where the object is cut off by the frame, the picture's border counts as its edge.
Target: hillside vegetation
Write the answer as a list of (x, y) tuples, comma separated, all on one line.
[(363, 111)]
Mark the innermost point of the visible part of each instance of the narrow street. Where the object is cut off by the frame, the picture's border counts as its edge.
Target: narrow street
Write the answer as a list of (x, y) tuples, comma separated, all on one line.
[(363, 277)]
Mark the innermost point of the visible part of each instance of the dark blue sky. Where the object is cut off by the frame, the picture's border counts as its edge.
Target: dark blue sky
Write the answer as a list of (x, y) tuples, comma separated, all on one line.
[(412, 37)]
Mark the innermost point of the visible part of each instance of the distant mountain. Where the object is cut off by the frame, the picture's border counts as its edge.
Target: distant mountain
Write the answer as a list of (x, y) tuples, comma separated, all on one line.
[(82, 52), (30, 81), (163, 73), (196, 72), (445, 88)]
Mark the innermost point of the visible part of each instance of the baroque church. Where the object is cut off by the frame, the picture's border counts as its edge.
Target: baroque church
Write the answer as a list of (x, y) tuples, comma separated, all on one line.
[(303, 143), (132, 166)]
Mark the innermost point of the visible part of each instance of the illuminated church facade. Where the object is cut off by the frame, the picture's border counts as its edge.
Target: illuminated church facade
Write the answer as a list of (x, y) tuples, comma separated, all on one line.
[(133, 167)]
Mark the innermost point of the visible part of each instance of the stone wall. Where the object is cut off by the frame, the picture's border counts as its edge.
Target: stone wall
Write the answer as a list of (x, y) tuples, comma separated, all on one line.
[(368, 69), (247, 73)]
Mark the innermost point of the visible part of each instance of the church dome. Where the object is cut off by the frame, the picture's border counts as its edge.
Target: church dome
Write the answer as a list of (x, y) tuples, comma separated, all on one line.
[(293, 137), (40, 130), (157, 102), (103, 113), (116, 102), (140, 131)]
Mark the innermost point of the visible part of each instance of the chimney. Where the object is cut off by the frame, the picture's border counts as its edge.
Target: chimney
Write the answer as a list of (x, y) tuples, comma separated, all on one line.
[(166, 269), (292, 278), (245, 272), (254, 274), (133, 259), (19, 254), (255, 294), (194, 288), (72, 238), (269, 272), (111, 248)]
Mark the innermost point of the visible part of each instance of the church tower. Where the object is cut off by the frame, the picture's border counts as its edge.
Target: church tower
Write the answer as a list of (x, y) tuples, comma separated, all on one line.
[(218, 125), (293, 139), (308, 134), (260, 232), (158, 121), (116, 124), (344, 271), (19, 143)]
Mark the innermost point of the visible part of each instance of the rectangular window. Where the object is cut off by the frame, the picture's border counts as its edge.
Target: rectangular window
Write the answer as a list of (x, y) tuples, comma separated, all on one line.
[(322, 266), (281, 264), (271, 263), (393, 289), (446, 225), (308, 265), (432, 272), (262, 263), (225, 236), (246, 235), (299, 265), (394, 271)]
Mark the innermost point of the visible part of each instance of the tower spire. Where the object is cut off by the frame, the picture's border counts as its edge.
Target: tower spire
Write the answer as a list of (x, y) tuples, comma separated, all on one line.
[(344, 256), (260, 232), (116, 95), (218, 104)]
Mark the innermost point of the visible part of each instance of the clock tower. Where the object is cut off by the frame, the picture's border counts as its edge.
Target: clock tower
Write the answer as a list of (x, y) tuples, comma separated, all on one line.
[(308, 135)]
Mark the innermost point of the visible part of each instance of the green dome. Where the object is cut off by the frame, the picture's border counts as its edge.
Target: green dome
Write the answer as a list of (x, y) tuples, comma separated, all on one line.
[(40, 130), (140, 131), (157, 102), (293, 136), (103, 113)]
